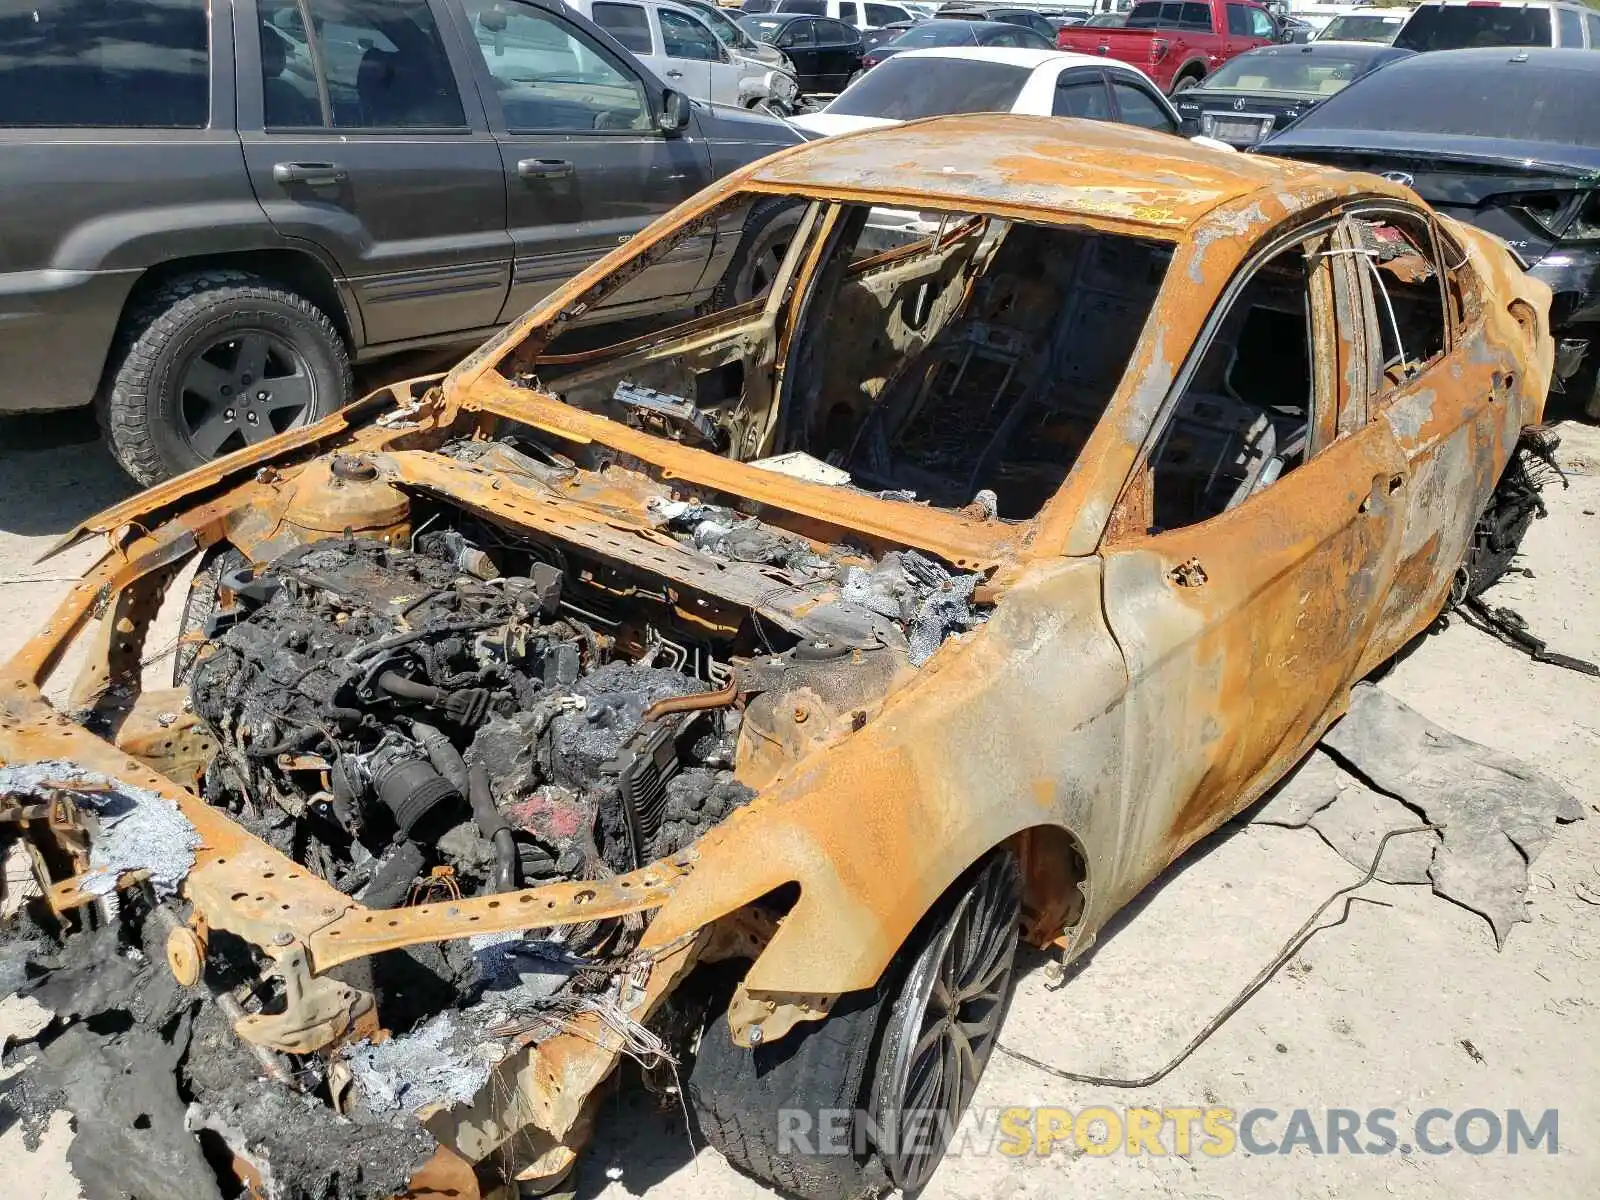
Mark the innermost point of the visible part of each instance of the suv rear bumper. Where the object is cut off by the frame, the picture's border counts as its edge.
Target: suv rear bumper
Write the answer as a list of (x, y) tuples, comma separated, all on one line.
[(56, 329)]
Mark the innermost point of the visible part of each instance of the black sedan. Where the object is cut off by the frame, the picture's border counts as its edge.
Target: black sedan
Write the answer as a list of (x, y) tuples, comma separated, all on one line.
[(826, 53), (1504, 138), (1248, 97), (947, 31)]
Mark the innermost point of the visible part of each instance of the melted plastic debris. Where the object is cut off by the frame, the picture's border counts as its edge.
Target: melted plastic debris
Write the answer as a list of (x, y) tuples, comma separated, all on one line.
[(929, 601), (445, 1061), (139, 829), (448, 1059), (728, 534), (1383, 764), (520, 972)]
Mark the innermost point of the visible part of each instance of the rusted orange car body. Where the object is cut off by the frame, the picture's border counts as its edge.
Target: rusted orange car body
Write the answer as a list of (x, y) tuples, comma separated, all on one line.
[(1132, 688)]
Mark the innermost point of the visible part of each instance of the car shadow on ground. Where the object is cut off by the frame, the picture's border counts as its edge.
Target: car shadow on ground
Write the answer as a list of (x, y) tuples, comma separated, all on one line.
[(55, 472)]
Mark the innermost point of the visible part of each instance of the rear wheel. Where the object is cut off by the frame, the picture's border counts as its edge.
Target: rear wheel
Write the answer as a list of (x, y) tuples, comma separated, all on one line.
[(1512, 507), (907, 1057), (1185, 83)]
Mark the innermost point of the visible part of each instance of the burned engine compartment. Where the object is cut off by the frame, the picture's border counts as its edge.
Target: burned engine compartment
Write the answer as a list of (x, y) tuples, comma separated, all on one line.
[(439, 712), (412, 722)]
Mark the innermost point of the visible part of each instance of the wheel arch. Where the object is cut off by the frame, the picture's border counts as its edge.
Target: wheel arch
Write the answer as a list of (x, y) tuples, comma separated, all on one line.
[(298, 270), (1012, 735)]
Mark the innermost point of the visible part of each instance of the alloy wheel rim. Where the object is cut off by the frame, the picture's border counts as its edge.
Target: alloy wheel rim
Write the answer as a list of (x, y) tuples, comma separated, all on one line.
[(956, 997), (243, 389), (763, 268)]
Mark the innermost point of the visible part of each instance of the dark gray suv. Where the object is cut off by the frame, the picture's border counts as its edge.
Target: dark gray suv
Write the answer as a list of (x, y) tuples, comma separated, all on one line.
[(208, 208)]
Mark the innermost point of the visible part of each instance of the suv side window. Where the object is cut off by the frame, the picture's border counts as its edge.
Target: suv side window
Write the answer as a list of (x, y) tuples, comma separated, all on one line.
[(1593, 21), (1137, 108), (125, 64), (1260, 23), (1196, 16), (382, 65), (628, 23), (1571, 27), (549, 75), (879, 15), (684, 37), (1239, 21)]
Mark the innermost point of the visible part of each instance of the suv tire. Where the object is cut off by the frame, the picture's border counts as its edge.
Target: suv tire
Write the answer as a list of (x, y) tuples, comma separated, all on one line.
[(863, 1057), (191, 348), (768, 230)]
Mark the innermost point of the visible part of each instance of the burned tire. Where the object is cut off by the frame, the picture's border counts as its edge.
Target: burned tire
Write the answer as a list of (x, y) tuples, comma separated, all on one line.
[(768, 230), (1512, 508), (212, 362), (199, 605), (903, 1059)]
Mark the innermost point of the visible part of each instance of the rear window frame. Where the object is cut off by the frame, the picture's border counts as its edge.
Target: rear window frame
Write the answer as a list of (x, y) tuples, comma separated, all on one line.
[(940, 75), (1458, 13), (205, 76), (1469, 104)]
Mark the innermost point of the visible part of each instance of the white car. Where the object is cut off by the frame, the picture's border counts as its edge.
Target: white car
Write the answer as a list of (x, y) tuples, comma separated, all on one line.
[(946, 80), (969, 79), (1365, 25), (678, 45)]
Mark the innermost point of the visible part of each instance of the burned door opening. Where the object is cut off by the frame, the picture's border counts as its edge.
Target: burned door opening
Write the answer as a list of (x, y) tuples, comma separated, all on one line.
[(1248, 556)]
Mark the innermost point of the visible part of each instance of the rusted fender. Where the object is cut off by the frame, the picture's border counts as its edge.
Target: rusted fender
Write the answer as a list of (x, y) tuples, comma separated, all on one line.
[(1505, 281), (1015, 726)]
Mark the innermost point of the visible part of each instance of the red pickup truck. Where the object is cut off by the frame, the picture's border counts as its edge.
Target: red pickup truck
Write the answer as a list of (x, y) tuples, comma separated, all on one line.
[(1176, 42)]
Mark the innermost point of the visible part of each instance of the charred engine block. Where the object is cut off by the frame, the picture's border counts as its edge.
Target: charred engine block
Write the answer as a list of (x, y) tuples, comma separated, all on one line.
[(400, 720)]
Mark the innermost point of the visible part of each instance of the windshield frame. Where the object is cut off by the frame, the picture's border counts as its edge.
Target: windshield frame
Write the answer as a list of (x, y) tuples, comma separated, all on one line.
[(1381, 20)]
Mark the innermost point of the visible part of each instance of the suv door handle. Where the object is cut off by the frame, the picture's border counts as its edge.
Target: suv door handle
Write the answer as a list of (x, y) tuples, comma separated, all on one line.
[(674, 74), (544, 168), (313, 174)]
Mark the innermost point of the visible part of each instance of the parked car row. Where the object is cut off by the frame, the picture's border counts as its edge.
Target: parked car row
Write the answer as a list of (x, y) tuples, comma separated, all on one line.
[(288, 199), (208, 210), (1504, 139)]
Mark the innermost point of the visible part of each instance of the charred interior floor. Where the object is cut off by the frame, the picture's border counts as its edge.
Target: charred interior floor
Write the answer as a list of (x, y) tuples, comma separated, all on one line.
[(444, 703)]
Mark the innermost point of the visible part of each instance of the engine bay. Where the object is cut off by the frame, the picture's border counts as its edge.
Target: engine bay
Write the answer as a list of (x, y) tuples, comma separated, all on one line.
[(412, 721)]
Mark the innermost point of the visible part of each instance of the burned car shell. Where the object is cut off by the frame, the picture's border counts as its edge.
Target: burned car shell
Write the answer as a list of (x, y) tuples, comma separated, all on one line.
[(1034, 730)]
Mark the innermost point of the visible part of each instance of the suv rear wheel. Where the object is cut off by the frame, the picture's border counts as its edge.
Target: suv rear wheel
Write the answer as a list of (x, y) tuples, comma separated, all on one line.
[(215, 361), (764, 242), (903, 1059)]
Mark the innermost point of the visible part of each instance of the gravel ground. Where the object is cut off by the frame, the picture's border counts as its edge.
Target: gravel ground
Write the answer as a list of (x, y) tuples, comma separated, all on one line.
[(1407, 1006)]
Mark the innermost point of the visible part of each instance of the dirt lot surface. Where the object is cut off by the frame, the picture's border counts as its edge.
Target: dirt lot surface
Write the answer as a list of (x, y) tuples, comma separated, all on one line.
[(1406, 1007)]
